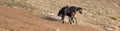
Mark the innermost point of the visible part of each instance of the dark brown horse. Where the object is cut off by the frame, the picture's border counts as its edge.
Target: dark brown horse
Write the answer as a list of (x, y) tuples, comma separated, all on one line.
[(71, 12)]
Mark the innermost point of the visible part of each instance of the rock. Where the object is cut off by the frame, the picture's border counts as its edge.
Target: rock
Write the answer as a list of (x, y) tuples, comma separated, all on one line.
[(109, 29), (116, 4), (57, 29)]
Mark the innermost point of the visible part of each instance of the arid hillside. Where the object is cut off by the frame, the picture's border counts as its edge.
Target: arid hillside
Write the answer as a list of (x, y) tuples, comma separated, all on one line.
[(12, 19), (104, 14)]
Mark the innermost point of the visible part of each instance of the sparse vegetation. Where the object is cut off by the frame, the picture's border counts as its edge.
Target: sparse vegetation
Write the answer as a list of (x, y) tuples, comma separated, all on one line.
[(114, 17), (97, 11), (17, 4)]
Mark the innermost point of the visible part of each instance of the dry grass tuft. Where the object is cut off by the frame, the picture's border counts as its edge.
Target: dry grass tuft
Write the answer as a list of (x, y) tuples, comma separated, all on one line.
[(114, 17)]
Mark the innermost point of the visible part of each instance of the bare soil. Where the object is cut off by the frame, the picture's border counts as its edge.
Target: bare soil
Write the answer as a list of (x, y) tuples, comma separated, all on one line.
[(18, 20)]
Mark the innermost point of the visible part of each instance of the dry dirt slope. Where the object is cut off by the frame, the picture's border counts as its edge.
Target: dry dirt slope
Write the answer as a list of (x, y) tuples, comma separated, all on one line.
[(17, 20), (104, 13)]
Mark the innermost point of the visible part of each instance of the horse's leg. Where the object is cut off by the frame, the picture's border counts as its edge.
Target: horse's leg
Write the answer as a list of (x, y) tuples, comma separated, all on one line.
[(70, 20), (73, 20), (63, 18), (76, 20)]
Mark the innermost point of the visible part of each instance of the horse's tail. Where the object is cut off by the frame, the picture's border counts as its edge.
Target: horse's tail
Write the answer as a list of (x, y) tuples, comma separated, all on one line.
[(60, 13)]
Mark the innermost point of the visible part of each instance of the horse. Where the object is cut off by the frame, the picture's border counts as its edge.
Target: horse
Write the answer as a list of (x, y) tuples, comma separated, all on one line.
[(71, 12)]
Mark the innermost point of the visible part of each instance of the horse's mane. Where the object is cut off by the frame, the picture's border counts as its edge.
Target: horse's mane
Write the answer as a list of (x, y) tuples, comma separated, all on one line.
[(68, 9), (76, 8)]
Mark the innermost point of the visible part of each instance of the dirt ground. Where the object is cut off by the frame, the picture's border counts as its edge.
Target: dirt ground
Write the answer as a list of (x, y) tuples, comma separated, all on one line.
[(41, 15), (18, 20)]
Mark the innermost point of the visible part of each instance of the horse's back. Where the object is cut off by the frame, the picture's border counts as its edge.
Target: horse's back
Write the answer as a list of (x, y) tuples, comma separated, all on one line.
[(61, 11), (67, 11)]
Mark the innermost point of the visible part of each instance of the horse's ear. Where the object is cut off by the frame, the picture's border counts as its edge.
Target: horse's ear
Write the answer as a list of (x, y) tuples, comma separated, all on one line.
[(79, 8)]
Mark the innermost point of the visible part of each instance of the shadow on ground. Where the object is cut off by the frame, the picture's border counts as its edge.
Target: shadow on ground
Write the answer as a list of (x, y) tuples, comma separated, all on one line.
[(51, 18)]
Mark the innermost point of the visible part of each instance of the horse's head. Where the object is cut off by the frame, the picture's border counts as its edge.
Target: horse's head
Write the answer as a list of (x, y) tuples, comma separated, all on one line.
[(79, 9)]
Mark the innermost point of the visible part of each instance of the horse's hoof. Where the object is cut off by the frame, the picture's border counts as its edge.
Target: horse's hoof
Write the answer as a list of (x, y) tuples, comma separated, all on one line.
[(70, 23), (73, 22), (63, 22)]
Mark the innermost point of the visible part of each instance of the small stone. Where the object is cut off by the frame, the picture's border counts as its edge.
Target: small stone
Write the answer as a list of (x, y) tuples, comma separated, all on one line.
[(109, 29), (57, 29)]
